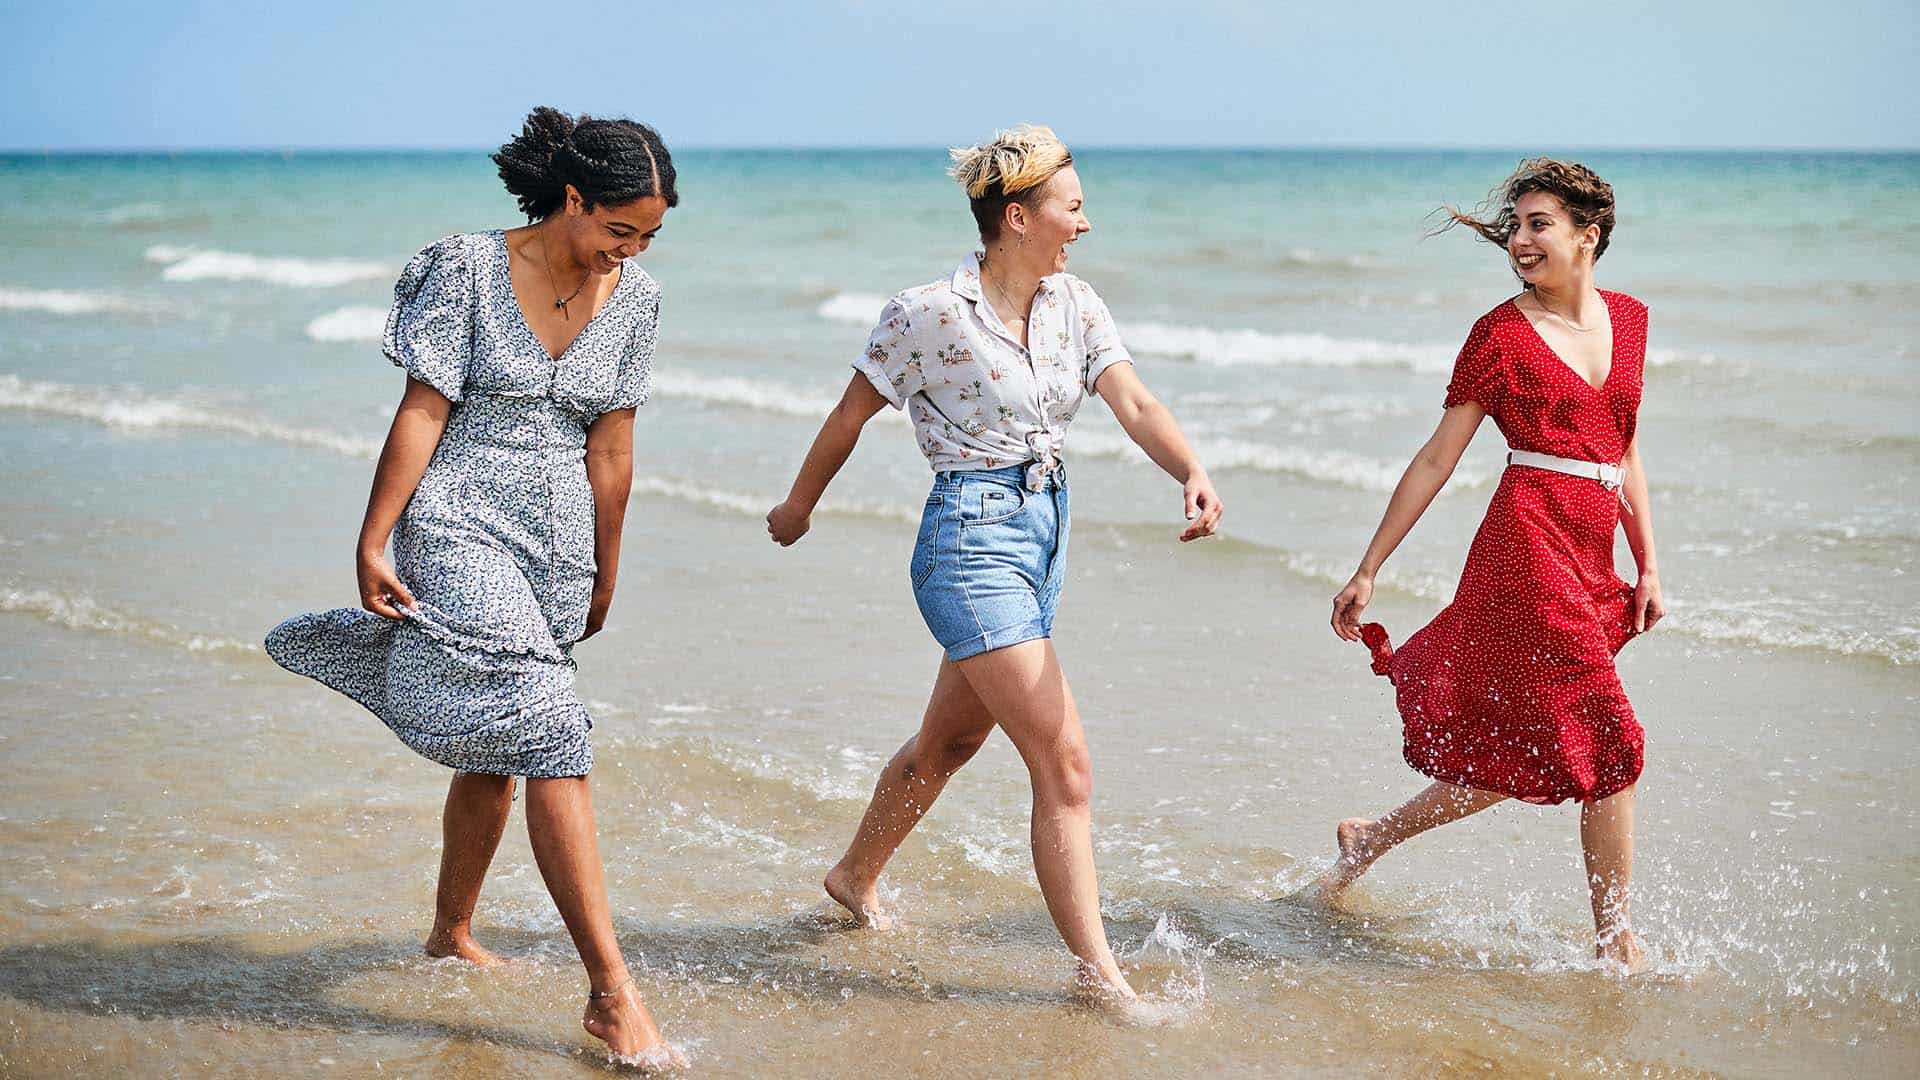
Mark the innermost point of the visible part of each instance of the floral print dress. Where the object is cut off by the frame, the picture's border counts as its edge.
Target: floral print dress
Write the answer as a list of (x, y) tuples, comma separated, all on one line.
[(496, 544)]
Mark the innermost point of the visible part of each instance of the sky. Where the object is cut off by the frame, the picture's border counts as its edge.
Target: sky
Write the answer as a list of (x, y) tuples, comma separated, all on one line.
[(185, 74)]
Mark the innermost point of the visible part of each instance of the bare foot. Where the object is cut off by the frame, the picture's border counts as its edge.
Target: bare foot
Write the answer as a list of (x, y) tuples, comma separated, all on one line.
[(1106, 990), (624, 1024), (1355, 856), (863, 901), (1623, 948), (444, 943)]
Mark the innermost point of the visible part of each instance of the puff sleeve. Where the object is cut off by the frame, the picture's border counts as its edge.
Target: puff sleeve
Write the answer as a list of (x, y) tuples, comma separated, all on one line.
[(1477, 371), (635, 383), (430, 328), (891, 363)]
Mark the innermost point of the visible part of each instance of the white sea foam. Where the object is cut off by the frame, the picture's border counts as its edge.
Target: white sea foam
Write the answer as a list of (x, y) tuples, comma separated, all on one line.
[(355, 322), (130, 410), (136, 213), (1230, 348), (1337, 467), (744, 393), (203, 264), (61, 302), (82, 613), (1900, 644), (1256, 348), (134, 411), (853, 308)]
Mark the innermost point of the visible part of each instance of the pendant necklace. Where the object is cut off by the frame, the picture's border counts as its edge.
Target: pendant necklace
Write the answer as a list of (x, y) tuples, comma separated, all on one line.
[(559, 301)]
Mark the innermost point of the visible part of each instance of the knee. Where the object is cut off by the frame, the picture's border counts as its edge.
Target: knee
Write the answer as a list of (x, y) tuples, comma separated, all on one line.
[(1064, 777), (945, 757)]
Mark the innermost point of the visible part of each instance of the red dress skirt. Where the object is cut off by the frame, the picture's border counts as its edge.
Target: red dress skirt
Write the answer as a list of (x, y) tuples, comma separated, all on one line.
[(1512, 688)]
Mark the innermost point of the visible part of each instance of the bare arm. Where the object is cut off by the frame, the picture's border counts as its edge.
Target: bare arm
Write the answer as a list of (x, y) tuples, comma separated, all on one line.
[(1649, 605), (1152, 428), (1425, 476), (417, 426), (789, 521), (610, 475)]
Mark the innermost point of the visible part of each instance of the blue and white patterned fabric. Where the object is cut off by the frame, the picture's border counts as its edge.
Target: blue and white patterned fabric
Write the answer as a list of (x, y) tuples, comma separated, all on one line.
[(496, 544)]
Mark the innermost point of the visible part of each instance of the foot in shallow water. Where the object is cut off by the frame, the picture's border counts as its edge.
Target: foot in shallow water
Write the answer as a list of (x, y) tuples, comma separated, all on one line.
[(621, 1020), (445, 943), (1103, 989), (861, 899), (1622, 947), (1356, 854)]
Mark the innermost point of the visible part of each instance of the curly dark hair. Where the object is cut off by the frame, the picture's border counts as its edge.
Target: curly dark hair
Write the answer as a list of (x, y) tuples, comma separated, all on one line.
[(606, 161), (1588, 199)]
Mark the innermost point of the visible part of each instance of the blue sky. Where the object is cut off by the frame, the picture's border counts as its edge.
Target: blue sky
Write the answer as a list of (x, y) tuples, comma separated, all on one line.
[(1689, 73)]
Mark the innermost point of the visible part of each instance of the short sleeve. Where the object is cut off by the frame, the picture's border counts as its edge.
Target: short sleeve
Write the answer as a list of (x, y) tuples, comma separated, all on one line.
[(430, 329), (1476, 371), (891, 363), (1098, 334), (636, 362)]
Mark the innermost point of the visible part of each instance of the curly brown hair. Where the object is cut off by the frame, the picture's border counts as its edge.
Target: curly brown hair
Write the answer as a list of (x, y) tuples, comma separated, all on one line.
[(1588, 199)]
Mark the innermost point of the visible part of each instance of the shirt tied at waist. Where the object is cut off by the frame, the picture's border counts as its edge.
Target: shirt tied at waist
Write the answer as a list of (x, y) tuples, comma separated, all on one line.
[(1045, 449)]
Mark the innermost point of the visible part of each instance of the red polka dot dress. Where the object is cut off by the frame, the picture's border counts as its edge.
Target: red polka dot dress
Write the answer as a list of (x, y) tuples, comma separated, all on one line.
[(1512, 688)]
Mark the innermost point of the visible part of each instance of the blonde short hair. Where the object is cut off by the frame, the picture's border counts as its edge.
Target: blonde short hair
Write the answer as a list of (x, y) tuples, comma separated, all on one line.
[(1014, 163)]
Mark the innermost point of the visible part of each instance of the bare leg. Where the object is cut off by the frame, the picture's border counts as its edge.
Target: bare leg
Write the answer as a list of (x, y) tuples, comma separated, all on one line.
[(1362, 841), (560, 824), (1023, 688), (951, 732), (470, 826), (1606, 839)]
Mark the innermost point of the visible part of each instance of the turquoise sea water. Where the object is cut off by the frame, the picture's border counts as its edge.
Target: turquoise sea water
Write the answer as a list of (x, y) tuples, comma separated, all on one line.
[(191, 393)]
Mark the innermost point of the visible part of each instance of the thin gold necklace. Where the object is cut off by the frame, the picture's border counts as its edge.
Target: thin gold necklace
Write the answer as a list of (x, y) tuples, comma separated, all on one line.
[(997, 287), (1570, 324), (566, 314)]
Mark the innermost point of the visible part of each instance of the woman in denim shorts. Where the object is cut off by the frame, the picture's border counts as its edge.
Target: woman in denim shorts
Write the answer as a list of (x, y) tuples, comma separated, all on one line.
[(991, 364)]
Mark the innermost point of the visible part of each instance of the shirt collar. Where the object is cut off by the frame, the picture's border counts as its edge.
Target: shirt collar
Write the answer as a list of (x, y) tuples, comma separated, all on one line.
[(966, 278)]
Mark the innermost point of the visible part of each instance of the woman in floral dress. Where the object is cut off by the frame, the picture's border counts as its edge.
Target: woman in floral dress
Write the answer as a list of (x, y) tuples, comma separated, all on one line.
[(503, 486)]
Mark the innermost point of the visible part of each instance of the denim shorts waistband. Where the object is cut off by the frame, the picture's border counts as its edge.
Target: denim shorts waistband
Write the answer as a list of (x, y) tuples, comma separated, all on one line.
[(1011, 475)]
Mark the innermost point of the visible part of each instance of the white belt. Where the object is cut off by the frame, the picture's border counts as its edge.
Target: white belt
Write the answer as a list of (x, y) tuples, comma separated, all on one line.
[(1611, 477)]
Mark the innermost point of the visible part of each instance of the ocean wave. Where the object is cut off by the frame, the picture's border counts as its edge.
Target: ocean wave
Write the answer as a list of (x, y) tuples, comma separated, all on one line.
[(83, 613), (756, 506), (61, 302), (129, 410), (1293, 258), (852, 308), (745, 393), (1255, 348), (204, 264), (355, 322), (1337, 467), (1899, 644)]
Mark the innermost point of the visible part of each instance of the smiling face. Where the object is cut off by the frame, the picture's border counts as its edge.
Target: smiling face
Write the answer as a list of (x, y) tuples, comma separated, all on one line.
[(1546, 248), (1056, 218), (601, 237)]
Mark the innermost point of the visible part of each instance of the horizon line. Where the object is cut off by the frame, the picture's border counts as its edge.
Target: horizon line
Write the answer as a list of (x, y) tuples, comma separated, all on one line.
[(804, 147)]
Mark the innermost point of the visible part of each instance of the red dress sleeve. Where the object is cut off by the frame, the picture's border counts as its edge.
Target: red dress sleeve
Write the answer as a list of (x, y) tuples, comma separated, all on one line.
[(1477, 371)]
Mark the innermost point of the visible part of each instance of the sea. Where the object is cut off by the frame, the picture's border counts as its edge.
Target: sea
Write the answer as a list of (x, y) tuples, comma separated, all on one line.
[(209, 867)]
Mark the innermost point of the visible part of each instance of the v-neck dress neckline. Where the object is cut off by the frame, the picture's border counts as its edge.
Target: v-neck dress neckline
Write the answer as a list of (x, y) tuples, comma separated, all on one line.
[(520, 311), (1613, 344)]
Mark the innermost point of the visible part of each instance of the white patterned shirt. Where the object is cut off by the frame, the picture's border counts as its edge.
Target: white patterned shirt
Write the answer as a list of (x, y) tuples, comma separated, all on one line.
[(977, 398)]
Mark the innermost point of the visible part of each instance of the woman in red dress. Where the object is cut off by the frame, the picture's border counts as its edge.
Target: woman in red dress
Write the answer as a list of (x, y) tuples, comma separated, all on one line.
[(1510, 692)]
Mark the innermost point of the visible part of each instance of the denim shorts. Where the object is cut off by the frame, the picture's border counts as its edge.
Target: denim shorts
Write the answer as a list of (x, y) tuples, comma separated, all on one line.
[(990, 557)]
